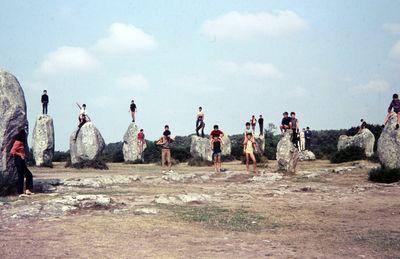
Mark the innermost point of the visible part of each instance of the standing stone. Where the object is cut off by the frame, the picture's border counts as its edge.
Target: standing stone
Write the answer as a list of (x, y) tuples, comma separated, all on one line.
[(12, 121), (287, 154), (306, 155), (365, 140), (130, 147), (200, 147), (43, 141), (389, 144), (88, 145), (260, 140)]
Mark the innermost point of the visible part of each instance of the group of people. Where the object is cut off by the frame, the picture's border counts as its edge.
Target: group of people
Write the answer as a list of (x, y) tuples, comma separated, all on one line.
[(301, 139)]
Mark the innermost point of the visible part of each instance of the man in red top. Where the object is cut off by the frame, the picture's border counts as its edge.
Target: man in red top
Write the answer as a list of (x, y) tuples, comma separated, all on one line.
[(141, 141), (19, 155), (216, 132)]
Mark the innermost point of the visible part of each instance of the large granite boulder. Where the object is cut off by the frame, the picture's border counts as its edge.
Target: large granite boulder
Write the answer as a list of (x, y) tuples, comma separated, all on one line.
[(13, 120), (364, 139), (43, 141), (200, 147), (287, 154), (130, 147), (88, 146), (389, 144), (306, 155)]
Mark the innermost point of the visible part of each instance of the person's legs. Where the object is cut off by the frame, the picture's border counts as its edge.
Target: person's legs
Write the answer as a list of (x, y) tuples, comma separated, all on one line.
[(163, 157), (29, 177), (20, 170), (79, 128), (398, 120), (215, 159), (253, 158), (45, 107), (247, 162), (133, 116), (202, 129), (219, 162), (261, 129), (168, 158)]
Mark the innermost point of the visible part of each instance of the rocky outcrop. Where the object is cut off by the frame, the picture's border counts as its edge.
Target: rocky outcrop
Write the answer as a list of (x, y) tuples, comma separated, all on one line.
[(260, 140), (389, 144), (287, 154), (365, 140), (88, 146), (43, 141), (306, 155), (13, 119), (130, 147), (200, 147)]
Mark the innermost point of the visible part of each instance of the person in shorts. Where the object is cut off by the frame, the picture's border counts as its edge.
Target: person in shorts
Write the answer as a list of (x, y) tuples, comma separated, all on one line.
[(216, 147), (248, 150)]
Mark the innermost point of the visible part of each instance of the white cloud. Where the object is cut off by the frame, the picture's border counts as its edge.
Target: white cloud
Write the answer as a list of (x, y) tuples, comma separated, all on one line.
[(135, 82), (393, 28), (68, 60), (125, 39), (395, 51), (260, 70), (242, 26), (372, 86)]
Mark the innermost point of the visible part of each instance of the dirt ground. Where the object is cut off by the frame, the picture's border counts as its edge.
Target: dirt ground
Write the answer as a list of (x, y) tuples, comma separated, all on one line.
[(307, 215)]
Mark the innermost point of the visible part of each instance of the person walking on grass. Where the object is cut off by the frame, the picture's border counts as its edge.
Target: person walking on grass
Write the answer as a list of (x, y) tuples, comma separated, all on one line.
[(45, 102), (248, 149), (216, 147), (200, 122), (395, 105), (261, 125), (133, 110), (253, 122), (83, 118), (141, 143), (18, 154), (165, 142)]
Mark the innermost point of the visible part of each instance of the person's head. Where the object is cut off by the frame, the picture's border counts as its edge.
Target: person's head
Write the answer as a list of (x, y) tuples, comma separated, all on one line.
[(215, 137), (293, 114), (215, 127), (45, 91), (132, 101), (395, 96), (285, 114), (166, 127), (249, 136), (247, 125), (141, 130), (21, 136), (200, 108), (253, 116), (304, 129), (362, 120), (260, 116), (308, 128), (84, 105)]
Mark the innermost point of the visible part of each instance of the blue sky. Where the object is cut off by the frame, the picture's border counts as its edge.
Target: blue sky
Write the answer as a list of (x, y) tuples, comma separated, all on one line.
[(333, 62)]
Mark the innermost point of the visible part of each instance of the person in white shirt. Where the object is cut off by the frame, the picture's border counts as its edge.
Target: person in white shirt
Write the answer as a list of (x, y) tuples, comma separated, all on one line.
[(83, 118), (200, 122), (302, 140)]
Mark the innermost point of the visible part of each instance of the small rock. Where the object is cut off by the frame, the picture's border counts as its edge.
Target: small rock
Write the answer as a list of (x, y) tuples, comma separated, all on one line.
[(150, 211)]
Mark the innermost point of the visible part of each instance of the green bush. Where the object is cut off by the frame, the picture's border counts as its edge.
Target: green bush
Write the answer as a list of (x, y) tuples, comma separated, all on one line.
[(95, 164), (347, 155), (61, 156), (384, 175)]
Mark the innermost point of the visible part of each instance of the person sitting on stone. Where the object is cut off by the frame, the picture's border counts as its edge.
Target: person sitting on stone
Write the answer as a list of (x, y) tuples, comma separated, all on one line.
[(45, 102), (200, 122), (18, 153), (294, 126), (362, 126), (141, 142), (253, 122), (285, 124), (395, 105), (216, 147), (165, 142), (83, 118), (133, 110), (249, 146)]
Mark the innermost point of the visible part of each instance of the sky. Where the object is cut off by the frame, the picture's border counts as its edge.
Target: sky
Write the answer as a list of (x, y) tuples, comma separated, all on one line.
[(332, 62)]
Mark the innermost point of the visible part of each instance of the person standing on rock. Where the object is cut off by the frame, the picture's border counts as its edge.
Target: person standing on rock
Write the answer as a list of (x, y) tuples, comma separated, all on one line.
[(248, 149), (307, 135), (285, 124), (133, 110), (200, 122), (303, 140), (141, 142), (216, 147), (83, 118), (395, 105), (45, 102), (294, 126), (261, 125), (253, 122), (18, 154), (165, 143)]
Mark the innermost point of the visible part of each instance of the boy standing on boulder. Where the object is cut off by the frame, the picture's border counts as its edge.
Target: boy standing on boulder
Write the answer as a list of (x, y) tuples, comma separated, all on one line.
[(261, 124), (294, 125), (200, 122), (133, 110), (216, 147), (45, 102), (165, 142), (395, 105), (253, 122)]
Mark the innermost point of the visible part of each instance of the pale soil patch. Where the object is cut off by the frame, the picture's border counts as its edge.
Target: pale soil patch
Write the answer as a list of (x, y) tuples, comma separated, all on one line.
[(325, 216)]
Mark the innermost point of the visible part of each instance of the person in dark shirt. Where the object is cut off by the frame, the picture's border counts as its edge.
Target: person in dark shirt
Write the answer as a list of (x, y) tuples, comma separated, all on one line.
[(45, 102), (395, 105), (216, 132), (216, 147), (200, 122), (261, 125), (307, 135), (133, 110), (285, 125)]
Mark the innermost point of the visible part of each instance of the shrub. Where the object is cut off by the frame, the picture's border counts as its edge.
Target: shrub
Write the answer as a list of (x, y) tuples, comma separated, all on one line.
[(152, 154), (61, 156), (182, 154), (384, 175), (95, 164), (113, 153), (347, 155)]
